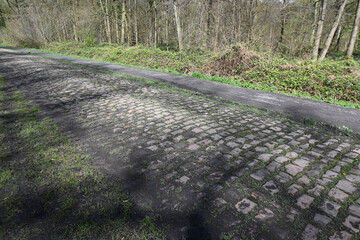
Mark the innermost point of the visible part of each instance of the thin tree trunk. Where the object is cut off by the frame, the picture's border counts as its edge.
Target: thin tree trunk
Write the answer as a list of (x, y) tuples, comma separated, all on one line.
[(208, 22), (178, 26), (252, 15), (282, 28), (167, 30), (107, 28), (319, 29), (155, 24), (117, 24), (234, 22), (123, 22), (316, 15), (354, 33), (127, 28), (108, 20), (239, 24), (332, 32), (217, 27), (136, 25), (75, 33), (338, 38)]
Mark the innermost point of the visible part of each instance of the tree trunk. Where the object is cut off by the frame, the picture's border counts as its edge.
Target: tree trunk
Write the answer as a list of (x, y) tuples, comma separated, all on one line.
[(136, 25), (155, 24), (354, 33), (217, 27), (106, 23), (332, 32), (252, 15), (316, 15), (178, 25), (319, 29), (117, 24), (167, 30), (75, 32), (208, 22), (108, 20), (123, 21), (338, 38), (282, 28)]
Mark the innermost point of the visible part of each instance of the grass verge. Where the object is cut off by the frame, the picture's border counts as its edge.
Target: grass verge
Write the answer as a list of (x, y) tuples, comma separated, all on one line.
[(49, 188)]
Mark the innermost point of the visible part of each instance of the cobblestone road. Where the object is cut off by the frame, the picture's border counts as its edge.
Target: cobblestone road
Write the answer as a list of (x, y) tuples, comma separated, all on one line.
[(205, 169)]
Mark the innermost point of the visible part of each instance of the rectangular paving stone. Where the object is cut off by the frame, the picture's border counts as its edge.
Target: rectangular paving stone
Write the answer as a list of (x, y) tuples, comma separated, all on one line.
[(283, 177), (273, 166), (245, 206), (264, 214), (304, 201), (293, 169), (291, 155), (341, 235), (194, 147), (329, 207), (271, 187), (353, 223), (330, 174), (261, 149), (232, 144), (281, 159), (353, 178), (346, 186), (310, 232), (265, 157), (354, 209), (338, 195), (304, 180), (294, 188), (301, 162), (322, 220), (260, 174)]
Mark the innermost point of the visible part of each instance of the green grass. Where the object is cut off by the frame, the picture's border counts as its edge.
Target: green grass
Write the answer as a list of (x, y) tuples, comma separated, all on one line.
[(335, 80), (50, 189)]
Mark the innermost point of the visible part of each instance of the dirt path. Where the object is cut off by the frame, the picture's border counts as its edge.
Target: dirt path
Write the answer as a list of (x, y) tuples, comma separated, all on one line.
[(203, 168)]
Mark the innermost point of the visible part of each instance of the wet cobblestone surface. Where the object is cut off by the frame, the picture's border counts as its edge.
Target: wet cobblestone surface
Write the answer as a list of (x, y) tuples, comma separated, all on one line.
[(205, 169)]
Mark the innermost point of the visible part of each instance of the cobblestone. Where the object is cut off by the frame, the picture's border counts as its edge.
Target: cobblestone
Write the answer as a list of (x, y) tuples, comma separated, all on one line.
[(338, 194), (321, 219), (245, 206), (330, 207), (193, 154), (346, 186), (304, 201), (352, 223), (310, 232), (343, 235)]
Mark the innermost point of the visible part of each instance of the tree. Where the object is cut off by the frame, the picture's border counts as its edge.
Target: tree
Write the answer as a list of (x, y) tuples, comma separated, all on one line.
[(123, 21), (178, 26), (332, 31), (320, 25), (316, 11), (354, 32)]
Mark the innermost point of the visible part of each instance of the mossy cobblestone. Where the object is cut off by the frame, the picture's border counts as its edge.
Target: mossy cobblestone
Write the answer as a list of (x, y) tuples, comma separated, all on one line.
[(183, 157)]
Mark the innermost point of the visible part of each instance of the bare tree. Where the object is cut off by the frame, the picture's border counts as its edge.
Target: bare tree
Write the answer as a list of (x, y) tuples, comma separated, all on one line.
[(320, 25), (178, 25), (332, 31), (354, 32)]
